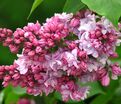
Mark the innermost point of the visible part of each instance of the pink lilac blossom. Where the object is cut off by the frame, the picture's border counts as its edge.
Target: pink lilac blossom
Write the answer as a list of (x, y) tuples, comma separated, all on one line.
[(97, 38), (63, 52)]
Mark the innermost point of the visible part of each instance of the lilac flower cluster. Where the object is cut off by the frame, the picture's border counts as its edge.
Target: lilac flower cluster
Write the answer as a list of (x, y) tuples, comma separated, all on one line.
[(62, 53)]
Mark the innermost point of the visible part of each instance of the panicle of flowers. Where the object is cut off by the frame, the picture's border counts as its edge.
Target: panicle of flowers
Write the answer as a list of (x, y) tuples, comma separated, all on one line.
[(62, 53)]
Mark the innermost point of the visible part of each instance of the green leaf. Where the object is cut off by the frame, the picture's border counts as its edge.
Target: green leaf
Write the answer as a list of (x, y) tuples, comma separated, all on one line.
[(95, 88), (116, 61), (103, 99), (18, 90), (1, 97), (50, 99), (72, 6), (12, 94), (57, 95), (7, 90), (35, 5), (11, 98), (108, 8), (4, 93)]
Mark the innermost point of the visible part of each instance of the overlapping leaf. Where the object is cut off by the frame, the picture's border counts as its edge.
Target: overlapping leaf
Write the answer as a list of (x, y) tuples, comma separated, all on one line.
[(109, 8)]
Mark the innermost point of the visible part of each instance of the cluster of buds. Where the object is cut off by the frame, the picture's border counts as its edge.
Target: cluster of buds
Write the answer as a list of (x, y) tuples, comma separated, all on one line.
[(62, 53)]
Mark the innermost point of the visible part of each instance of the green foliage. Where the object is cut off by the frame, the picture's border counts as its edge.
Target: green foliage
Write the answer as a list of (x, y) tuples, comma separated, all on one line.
[(12, 98), (95, 88), (108, 8), (4, 94), (72, 6), (35, 5), (50, 99), (10, 94), (117, 96), (110, 91), (1, 97), (18, 90)]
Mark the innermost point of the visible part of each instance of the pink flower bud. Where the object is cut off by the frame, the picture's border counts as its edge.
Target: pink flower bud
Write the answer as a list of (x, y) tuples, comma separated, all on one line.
[(105, 80), (116, 70)]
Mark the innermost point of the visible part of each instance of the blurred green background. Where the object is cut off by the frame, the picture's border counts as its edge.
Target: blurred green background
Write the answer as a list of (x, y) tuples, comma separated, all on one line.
[(13, 14)]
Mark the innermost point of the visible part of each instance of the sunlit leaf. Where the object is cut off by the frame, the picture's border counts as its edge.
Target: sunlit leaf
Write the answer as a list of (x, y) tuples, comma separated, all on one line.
[(11, 98), (1, 97), (109, 8)]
